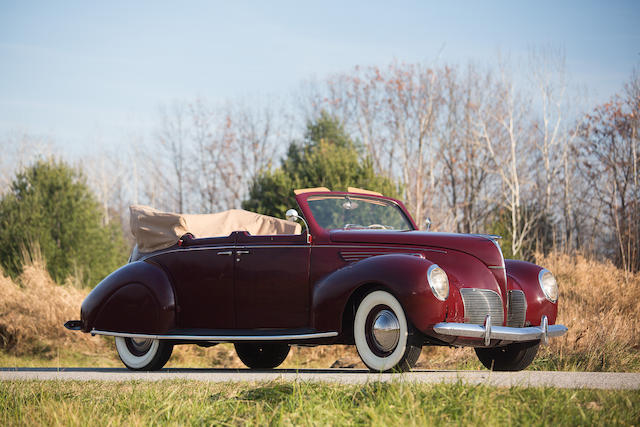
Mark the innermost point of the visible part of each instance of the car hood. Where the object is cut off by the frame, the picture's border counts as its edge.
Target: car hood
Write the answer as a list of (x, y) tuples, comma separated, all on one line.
[(480, 246)]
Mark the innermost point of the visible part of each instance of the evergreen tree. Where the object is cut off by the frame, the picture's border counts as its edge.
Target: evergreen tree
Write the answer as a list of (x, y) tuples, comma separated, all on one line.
[(50, 206), (327, 157)]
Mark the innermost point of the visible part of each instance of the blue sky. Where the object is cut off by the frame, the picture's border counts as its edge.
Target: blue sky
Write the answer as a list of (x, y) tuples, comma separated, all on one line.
[(91, 74)]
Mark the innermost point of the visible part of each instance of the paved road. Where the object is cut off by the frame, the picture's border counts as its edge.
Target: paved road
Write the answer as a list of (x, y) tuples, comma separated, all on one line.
[(604, 380)]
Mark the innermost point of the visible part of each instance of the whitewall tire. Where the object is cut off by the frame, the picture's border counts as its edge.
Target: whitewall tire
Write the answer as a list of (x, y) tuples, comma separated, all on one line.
[(143, 354), (384, 338)]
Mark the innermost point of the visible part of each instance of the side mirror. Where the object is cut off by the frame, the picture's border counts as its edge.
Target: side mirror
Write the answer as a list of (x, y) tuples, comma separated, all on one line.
[(427, 223), (292, 215)]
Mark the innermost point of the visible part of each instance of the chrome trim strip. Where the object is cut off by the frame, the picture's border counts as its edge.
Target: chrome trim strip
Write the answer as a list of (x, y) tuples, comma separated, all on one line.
[(497, 267), (505, 333), (219, 338), (494, 240), (351, 256), (365, 247), (255, 246)]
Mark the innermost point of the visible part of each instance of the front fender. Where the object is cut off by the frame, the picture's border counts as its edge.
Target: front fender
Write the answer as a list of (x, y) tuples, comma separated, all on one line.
[(524, 276), (136, 298), (405, 276)]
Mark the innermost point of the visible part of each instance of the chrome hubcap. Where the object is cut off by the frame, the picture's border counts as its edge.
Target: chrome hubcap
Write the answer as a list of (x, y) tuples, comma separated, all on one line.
[(141, 345), (386, 330)]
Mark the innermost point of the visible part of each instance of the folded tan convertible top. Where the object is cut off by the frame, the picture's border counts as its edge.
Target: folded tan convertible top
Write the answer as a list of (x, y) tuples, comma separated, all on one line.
[(155, 230)]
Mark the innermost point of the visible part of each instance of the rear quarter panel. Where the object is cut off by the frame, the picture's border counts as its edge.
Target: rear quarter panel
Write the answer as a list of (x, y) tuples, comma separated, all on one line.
[(136, 298)]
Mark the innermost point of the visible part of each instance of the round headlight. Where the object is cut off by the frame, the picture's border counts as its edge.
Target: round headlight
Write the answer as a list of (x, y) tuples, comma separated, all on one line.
[(439, 282), (548, 284)]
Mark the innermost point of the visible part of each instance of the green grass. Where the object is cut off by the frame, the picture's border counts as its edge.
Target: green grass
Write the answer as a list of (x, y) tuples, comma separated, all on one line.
[(192, 402)]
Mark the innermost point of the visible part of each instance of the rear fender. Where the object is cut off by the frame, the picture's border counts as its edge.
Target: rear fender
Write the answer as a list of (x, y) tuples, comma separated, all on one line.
[(404, 276), (136, 298)]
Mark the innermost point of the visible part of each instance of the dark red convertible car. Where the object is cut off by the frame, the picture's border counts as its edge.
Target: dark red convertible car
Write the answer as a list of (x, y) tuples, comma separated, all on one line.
[(359, 272)]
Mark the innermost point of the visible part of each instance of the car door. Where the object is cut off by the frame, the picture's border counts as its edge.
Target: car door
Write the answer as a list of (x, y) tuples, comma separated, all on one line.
[(202, 273), (272, 281)]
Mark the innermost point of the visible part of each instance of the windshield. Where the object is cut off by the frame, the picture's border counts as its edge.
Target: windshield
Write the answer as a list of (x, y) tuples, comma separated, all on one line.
[(357, 213)]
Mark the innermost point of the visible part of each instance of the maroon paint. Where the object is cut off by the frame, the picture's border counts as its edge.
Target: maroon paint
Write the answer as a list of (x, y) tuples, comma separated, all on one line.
[(404, 276), (137, 297), (524, 276), (272, 282), (203, 282), (285, 283)]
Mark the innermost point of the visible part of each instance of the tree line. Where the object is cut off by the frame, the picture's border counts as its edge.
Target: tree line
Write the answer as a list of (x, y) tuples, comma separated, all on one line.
[(473, 148)]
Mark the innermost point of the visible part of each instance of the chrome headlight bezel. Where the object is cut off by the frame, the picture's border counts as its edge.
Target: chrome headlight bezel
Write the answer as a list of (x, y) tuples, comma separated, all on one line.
[(438, 282), (549, 285)]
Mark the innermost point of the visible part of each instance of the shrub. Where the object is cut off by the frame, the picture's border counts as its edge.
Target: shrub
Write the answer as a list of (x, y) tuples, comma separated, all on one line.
[(50, 206)]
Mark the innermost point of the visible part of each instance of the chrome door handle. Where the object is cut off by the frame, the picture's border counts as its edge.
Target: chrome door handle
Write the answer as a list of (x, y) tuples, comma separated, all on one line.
[(225, 253), (238, 253)]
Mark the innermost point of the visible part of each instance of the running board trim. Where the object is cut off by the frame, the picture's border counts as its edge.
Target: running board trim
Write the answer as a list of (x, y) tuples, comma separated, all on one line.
[(218, 338)]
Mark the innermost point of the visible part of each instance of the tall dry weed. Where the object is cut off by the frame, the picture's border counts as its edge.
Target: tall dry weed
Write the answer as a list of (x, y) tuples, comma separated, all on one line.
[(33, 309), (600, 304)]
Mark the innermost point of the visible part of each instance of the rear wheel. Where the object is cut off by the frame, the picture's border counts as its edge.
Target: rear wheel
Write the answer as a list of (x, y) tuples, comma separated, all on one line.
[(385, 340), (511, 357), (143, 354), (262, 355)]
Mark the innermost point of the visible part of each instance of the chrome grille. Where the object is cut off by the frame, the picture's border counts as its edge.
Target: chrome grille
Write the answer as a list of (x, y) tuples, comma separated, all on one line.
[(480, 302), (517, 309)]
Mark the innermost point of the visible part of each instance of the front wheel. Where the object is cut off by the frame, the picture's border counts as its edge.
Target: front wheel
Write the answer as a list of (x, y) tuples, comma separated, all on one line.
[(385, 340), (262, 355), (143, 354), (511, 357)]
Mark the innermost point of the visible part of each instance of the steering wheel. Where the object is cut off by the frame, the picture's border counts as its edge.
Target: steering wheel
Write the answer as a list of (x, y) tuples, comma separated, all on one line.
[(350, 226), (377, 227)]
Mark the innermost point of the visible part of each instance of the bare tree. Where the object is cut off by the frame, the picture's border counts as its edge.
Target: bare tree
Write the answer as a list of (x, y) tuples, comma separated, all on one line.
[(556, 125), (19, 149), (610, 150), (172, 137), (465, 175), (209, 154), (504, 130)]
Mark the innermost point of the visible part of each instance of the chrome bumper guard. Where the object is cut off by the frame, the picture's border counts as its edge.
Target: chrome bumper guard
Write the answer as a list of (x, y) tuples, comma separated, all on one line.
[(504, 333)]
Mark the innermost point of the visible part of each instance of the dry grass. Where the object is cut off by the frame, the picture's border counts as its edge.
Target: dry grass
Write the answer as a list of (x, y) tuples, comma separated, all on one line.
[(32, 311), (599, 304)]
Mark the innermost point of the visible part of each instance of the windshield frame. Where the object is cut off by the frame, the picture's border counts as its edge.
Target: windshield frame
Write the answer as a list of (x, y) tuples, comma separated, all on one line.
[(317, 230)]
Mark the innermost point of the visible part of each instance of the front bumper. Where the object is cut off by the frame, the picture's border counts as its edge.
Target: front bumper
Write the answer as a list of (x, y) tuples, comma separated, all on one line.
[(504, 333)]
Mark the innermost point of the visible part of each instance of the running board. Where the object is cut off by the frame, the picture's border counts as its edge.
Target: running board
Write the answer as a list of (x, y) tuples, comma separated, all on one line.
[(219, 338)]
